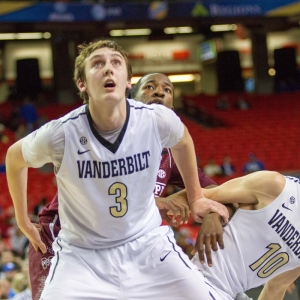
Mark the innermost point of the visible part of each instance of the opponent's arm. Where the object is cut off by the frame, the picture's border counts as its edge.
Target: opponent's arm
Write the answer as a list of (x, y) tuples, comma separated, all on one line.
[(276, 287), (17, 175), (185, 158)]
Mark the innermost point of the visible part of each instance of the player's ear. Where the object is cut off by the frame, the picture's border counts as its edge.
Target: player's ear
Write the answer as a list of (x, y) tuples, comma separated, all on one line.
[(81, 85), (128, 86)]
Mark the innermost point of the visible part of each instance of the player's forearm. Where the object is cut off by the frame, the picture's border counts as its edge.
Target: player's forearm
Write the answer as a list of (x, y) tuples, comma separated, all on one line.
[(185, 158), (268, 293), (17, 173)]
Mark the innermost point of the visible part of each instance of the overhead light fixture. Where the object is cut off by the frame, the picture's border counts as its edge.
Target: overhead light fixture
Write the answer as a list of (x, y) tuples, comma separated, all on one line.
[(182, 78), (223, 27), (7, 36), (29, 36), (173, 78), (272, 72), (130, 32), (175, 30), (25, 36)]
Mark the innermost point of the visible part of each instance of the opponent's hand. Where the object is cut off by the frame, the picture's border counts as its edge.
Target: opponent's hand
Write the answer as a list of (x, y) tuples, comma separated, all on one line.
[(169, 219), (203, 206), (209, 237), (175, 206), (32, 233)]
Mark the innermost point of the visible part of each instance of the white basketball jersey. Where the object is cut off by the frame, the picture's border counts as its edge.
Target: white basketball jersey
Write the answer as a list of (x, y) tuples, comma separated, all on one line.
[(260, 244), (106, 190)]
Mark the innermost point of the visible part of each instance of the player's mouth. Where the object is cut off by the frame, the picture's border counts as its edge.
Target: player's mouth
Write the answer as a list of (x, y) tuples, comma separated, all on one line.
[(155, 101), (109, 84)]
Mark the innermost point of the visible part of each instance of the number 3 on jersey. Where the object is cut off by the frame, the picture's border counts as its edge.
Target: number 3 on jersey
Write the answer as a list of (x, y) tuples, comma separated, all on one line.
[(119, 190), (268, 265)]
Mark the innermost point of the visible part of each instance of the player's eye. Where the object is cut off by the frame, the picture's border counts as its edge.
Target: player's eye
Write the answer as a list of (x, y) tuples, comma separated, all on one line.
[(116, 63), (149, 87), (167, 90), (98, 63)]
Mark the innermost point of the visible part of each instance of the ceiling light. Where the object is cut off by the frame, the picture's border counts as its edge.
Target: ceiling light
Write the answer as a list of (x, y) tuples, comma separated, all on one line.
[(25, 36), (223, 27), (46, 35), (29, 36), (7, 36), (182, 78), (272, 72), (173, 78), (130, 32), (174, 30)]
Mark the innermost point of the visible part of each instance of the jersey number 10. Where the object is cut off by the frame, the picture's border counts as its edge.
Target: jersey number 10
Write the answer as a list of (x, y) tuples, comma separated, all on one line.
[(267, 264)]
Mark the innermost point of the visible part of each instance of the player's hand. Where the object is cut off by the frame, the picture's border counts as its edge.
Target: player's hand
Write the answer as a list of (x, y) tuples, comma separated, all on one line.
[(177, 208), (209, 237), (33, 235), (203, 206)]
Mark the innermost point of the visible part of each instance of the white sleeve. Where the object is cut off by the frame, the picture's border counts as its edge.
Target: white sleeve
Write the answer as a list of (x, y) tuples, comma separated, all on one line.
[(45, 145), (170, 127)]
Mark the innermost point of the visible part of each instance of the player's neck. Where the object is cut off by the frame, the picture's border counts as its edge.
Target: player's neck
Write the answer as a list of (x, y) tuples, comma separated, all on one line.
[(108, 118)]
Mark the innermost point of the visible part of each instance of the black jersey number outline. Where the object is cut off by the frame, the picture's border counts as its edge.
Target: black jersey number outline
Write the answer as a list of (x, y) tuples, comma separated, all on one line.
[(119, 190), (270, 264)]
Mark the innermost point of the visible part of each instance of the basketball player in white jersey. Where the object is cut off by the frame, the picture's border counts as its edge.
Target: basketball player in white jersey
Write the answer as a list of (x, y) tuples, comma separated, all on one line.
[(262, 239), (106, 156)]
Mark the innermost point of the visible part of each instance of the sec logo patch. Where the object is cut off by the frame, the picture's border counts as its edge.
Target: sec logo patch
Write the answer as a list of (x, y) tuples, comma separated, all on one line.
[(161, 174)]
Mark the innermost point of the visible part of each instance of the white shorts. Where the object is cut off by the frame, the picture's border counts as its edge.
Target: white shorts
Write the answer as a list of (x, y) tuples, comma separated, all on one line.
[(150, 267)]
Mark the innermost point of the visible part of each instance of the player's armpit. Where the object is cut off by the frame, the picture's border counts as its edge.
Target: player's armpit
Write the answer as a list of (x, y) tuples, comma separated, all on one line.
[(276, 287)]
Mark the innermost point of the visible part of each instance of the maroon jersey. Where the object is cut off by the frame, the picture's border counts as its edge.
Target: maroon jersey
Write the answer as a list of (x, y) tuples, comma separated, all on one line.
[(39, 263), (169, 174)]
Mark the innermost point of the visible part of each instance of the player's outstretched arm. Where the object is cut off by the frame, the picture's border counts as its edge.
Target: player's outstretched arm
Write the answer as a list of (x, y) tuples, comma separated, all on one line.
[(260, 188), (276, 287), (185, 158), (17, 174)]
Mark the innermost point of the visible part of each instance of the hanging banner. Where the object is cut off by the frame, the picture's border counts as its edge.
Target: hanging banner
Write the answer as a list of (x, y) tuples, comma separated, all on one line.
[(24, 11)]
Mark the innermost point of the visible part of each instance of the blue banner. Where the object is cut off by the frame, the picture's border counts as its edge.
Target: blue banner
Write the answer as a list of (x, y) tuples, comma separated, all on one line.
[(157, 10)]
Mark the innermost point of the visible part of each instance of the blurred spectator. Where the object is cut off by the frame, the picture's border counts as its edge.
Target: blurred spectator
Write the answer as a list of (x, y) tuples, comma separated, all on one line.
[(9, 270), (7, 256), (223, 103), (227, 168), (212, 168), (3, 137), (4, 289), (185, 240), (39, 207), (18, 240), (242, 104), (20, 132), (21, 284), (4, 91), (253, 164), (2, 164), (29, 114)]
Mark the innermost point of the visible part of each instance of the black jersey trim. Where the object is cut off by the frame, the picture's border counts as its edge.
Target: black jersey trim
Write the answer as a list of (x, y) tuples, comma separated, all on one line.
[(115, 146), (73, 118), (141, 107)]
